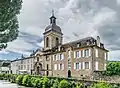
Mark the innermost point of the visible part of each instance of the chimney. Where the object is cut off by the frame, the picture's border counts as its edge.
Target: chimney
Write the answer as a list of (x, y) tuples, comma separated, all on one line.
[(98, 41)]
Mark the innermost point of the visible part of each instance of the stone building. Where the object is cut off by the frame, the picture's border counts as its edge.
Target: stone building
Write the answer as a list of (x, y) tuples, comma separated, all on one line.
[(23, 65), (79, 58)]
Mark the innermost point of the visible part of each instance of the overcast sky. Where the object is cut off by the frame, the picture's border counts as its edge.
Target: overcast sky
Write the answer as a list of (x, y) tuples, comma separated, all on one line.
[(77, 19)]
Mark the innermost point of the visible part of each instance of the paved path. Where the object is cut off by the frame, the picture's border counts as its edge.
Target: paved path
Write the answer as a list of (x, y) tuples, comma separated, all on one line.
[(5, 84)]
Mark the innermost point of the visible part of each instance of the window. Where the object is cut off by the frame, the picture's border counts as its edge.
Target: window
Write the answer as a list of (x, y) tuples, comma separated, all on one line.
[(60, 56), (27, 67), (28, 60), (37, 59), (86, 52), (24, 66), (47, 57), (47, 42), (69, 54), (77, 65), (78, 45), (86, 65), (47, 66), (77, 54), (21, 67), (57, 41), (55, 66), (96, 52), (60, 66), (21, 61), (57, 57)]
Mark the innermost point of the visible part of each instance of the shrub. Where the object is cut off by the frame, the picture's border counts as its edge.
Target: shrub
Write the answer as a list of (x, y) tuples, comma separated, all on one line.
[(45, 82), (64, 84), (26, 81), (55, 84), (38, 83), (19, 79), (13, 78), (79, 85), (101, 85)]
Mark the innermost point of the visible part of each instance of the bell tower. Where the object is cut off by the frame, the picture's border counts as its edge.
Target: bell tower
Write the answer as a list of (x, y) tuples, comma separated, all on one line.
[(52, 35)]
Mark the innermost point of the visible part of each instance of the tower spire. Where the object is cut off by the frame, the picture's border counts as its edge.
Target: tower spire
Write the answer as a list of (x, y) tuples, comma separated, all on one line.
[(52, 12), (52, 18)]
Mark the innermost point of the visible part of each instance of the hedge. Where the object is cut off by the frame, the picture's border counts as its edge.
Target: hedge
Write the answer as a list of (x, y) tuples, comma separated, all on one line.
[(52, 82)]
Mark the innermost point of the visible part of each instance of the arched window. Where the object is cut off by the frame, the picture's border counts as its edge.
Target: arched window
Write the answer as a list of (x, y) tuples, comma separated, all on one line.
[(47, 42), (57, 41)]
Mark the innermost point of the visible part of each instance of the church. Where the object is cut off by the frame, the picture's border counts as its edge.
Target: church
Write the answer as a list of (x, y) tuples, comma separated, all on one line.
[(79, 58)]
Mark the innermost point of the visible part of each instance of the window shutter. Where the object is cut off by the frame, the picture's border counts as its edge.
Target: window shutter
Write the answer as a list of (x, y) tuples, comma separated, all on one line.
[(80, 65), (62, 56), (74, 54), (96, 65), (96, 52), (55, 66), (74, 65), (89, 52), (58, 56), (83, 53), (79, 53), (83, 65), (105, 66), (62, 66), (89, 65), (58, 66), (53, 57), (105, 55)]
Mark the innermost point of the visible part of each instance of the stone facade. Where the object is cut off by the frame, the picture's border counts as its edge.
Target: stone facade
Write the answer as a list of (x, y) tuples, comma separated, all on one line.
[(22, 66), (74, 59)]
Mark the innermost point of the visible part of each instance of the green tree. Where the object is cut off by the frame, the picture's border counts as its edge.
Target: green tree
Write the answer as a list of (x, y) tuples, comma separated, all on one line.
[(9, 9), (113, 68)]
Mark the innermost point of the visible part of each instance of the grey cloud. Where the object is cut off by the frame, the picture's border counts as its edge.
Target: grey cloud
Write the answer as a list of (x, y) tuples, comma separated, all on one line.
[(37, 13)]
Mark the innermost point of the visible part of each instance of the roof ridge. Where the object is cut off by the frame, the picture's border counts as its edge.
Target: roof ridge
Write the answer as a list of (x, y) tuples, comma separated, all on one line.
[(78, 40)]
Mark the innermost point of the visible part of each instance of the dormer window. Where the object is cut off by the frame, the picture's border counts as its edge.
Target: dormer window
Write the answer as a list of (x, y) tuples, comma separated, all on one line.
[(78, 45)]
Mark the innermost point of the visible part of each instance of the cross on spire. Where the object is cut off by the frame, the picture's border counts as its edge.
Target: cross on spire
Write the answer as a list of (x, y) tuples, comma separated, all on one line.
[(52, 12), (52, 18)]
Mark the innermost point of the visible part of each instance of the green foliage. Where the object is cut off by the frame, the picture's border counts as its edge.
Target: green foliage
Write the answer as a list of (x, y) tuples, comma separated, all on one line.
[(64, 84), (113, 68), (101, 85), (38, 83), (9, 9), (19, 79), (49, 82), (45, 82), (26, 80), (55, 83), (79, 85)]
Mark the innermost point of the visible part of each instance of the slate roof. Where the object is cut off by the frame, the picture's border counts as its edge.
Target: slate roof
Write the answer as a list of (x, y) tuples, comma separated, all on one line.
[(53, 27)]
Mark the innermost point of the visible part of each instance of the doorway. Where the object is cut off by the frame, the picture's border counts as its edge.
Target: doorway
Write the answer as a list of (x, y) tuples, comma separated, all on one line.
[(69, 73), (47, 73)]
